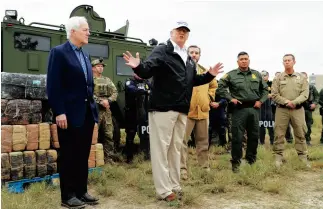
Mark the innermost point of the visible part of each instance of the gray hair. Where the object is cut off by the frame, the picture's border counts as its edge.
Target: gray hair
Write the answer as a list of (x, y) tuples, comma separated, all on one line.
[(74, 23)]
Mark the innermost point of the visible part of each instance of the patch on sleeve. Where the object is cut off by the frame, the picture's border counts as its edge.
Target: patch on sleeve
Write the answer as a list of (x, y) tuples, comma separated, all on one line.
[(224, 76), (254, 76)]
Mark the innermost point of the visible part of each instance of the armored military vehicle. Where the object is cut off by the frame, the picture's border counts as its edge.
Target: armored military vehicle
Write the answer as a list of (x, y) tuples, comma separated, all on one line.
[(25, 48)]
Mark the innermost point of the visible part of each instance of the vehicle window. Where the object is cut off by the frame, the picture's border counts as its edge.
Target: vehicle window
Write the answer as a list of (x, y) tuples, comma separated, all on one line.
[(122, 68), (97, 50), (31, 42)]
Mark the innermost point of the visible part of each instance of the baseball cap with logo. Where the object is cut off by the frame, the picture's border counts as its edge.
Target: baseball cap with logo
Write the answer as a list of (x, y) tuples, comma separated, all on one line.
[(180, 24)]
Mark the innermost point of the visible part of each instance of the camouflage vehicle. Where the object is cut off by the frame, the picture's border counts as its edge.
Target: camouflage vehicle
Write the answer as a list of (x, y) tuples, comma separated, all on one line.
[(25, 49)]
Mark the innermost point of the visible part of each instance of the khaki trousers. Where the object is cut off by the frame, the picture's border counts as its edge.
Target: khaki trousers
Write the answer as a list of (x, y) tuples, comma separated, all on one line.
[(167, 130), (297, 119), (200, 128)]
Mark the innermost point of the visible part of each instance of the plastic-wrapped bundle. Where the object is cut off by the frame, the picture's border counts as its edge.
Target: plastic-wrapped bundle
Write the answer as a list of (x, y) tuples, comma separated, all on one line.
[(13, 85), (6, 138), (16, 161), (99, 156), (29, 164), (95, 134), (32, 136), (5, 166), (23, 86), (19, 137), (54, 136), (4, 118), (44, 136), (51, 168), (41, 170), (41, 157), (51, 156), (36, 87), (30, 171), (29, 158), (17, 111), (35, 112), (92, 156)]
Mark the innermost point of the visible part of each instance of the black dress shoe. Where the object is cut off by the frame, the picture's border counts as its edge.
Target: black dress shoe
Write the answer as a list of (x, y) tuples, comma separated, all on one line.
[(73, 203), (88, 199)]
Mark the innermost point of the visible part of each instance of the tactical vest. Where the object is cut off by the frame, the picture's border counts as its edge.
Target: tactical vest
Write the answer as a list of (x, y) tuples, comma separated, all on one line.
[(100, 87)]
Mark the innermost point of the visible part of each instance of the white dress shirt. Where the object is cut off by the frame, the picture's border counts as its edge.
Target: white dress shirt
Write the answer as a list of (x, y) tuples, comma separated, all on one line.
[(182, 52)]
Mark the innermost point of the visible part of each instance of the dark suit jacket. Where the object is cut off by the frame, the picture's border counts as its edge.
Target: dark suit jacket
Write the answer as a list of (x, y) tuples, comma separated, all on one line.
[(67, 89)]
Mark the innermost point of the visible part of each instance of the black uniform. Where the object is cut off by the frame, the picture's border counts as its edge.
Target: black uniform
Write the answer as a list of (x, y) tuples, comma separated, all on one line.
[(266, 119), (218, 121), (313, 98), (136, 98)]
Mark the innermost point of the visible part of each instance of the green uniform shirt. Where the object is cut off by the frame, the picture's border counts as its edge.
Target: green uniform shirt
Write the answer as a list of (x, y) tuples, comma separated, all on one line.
[(244, 86), (313, 95), (104, 88)]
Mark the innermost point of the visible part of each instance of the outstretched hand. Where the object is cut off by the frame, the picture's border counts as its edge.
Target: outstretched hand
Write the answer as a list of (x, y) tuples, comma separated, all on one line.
[(131, 61), (216, 69)]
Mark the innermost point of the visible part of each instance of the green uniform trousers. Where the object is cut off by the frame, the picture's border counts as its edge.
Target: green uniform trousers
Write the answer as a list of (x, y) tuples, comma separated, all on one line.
[(229, 126), (245, 120)]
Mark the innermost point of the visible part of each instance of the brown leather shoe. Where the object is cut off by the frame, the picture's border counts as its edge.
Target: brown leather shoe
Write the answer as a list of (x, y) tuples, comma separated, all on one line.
[(170, 197), (179, 194)]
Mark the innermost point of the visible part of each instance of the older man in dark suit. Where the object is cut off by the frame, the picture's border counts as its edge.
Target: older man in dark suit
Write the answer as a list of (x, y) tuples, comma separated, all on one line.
[(70, 95)]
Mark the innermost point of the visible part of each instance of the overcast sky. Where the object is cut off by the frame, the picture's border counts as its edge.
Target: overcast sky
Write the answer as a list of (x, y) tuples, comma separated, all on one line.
[(266, 30)]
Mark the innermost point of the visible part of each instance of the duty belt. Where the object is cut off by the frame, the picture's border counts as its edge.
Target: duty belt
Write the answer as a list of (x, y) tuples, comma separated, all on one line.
[(284, 106), (245, 104)]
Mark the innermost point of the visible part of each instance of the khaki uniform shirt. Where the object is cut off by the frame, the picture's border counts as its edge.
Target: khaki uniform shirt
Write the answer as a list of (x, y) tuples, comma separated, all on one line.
[(293, 87)]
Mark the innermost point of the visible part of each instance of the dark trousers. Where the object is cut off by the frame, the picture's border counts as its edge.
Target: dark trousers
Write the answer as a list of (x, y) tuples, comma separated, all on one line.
[(309, 123), (245, 119), (262, 134), (267, 122), (130, 148), (75, 145), (130, 137), (217, 124)]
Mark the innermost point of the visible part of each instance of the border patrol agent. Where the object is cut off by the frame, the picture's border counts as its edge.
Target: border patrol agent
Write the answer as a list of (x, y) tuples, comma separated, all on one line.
[(290, 89), (309, 106), (105, 93), (136, 97), (247, 92)]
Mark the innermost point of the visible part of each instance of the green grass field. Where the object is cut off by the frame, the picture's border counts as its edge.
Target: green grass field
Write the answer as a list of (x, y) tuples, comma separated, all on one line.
[(261, 185)]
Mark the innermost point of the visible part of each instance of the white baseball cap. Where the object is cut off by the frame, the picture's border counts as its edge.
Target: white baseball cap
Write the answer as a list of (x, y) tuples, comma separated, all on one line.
[(180, 24)]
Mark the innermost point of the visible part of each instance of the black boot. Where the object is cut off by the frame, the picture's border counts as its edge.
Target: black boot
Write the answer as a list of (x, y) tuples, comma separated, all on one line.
[(88, 199), (73, 203)]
